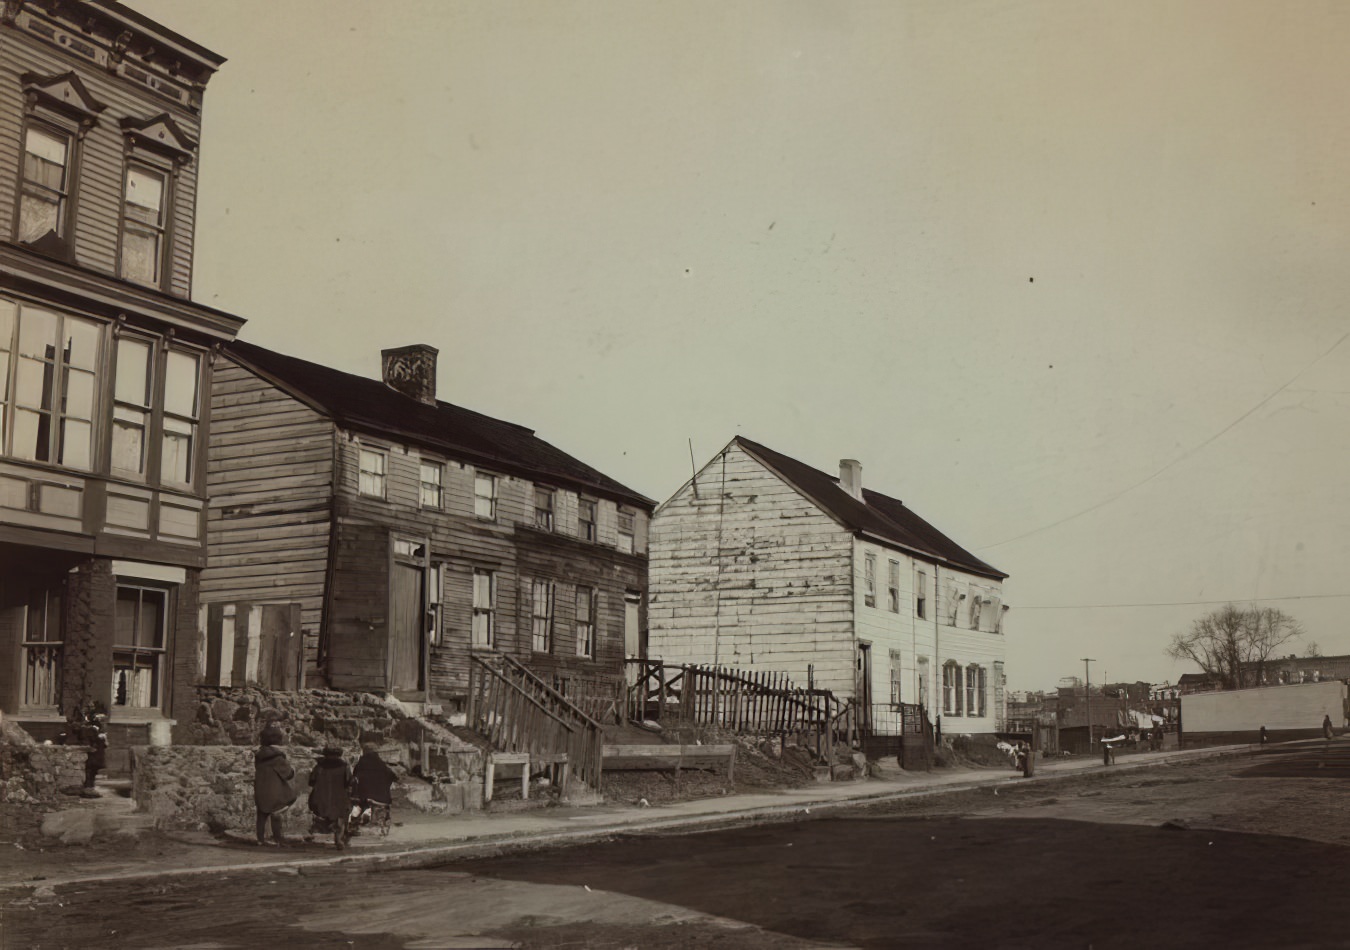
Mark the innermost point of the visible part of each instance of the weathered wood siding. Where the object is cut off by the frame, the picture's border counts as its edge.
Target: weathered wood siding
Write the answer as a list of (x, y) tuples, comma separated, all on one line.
[(97, 187), (945, 632), (750, 573), (270, 481), (460, 542)]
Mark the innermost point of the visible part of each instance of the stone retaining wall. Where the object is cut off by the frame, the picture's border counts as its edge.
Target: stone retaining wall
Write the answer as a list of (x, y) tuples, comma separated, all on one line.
[(35, 774), (311, 718)]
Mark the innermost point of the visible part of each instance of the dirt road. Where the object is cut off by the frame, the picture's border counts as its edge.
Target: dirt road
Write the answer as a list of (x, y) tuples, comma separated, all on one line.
[(1187, 857)]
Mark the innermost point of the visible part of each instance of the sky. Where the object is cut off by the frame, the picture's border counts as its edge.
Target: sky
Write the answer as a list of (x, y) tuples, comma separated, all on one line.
[(1068, 278)]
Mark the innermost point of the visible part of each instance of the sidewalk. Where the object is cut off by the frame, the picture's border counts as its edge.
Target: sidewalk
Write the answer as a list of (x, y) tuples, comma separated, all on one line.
[(425, 840)]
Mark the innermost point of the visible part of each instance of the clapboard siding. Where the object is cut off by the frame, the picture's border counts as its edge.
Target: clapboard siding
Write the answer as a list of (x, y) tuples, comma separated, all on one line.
[(101, 165), (750, 573), (269, 479)]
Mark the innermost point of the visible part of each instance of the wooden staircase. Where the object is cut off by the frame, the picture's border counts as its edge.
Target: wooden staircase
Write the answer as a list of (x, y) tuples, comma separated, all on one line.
[(528, 722)]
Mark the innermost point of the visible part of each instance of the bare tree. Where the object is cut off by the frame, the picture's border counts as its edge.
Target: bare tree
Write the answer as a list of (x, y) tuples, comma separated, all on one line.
[(1232, 644), (1312, 649)]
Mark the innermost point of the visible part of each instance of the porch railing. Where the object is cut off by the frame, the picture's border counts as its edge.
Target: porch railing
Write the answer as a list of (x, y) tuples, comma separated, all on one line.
[(518, 712)]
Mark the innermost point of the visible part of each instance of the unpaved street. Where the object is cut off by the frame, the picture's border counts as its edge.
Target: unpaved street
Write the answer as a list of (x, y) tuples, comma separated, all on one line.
[(1190, 856)]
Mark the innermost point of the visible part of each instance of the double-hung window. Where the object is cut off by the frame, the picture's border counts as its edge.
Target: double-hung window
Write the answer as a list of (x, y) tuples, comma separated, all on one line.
[(541, 617), (627, 531), (138, 646), (429, 493), (585, 601), (182, 408), (143, 204), (485, 496), (372, 473), (893, 586), (42, 648), (972, 686), (870, 580), (921, 595), (54, 359), (133, 403), (586, 519), (951, 688), (543, 508), (484, 608), (46, 183)]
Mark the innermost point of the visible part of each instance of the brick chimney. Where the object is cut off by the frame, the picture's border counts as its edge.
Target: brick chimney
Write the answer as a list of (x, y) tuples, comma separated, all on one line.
[(850, 477), (411, 370)]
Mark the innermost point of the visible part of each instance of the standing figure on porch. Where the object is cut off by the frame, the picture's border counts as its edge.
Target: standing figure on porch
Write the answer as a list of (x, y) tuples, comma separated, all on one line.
[(272, 789), (84, 727), (329, 799)]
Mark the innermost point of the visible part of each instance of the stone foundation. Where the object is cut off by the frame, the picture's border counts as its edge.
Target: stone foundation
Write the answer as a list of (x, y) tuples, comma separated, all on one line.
[(35, 775), (311, 718)]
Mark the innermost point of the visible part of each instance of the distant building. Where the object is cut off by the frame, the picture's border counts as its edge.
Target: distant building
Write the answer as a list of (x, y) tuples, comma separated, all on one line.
[(763, 562), (1298, 669)]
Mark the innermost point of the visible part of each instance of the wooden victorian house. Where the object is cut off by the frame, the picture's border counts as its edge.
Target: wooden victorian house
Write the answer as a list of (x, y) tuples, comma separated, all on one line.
[(764, 562), (401, 536), (104, 375)]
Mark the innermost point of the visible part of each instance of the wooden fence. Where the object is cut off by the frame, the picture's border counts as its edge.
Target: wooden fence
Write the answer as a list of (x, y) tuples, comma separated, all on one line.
[(518, 712), (749, 702)]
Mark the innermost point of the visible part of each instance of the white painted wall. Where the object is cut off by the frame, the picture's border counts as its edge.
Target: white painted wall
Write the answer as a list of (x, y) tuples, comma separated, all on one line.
[(1299, 706), (747, 572)]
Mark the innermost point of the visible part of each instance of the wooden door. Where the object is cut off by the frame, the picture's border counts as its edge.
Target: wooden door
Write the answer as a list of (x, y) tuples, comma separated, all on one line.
[(406, 612), (864, 690)]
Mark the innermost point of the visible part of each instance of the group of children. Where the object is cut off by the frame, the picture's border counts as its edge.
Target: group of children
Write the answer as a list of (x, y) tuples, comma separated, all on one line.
[(338, 793)]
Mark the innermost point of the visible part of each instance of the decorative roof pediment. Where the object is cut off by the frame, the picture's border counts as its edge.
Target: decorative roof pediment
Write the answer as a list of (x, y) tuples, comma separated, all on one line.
[(162, 134), (65, 93)]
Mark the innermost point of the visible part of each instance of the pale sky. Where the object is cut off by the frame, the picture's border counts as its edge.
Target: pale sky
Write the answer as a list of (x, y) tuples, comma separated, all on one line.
[(1068, 278)]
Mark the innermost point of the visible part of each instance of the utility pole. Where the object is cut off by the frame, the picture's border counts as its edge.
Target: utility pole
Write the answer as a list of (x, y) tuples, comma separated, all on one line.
[(1087, 696)]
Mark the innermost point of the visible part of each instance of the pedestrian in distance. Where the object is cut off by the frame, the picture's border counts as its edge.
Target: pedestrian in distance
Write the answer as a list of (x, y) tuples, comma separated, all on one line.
[(1327, 731), (1264, 737), (329, 797), (272, 788)]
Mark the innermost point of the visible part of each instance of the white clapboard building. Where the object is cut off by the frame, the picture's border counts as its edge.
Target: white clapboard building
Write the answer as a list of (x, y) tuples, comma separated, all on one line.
[(762, 562)]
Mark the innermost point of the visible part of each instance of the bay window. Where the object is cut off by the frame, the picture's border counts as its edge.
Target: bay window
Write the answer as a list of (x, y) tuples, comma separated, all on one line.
[(182, 398), (133, 401)]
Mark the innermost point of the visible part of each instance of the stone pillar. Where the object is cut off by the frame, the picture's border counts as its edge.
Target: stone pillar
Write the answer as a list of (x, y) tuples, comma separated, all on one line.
[(87, 664)]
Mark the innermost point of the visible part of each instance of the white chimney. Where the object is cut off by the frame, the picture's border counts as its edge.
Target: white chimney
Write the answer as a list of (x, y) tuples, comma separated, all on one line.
[(850, 477)]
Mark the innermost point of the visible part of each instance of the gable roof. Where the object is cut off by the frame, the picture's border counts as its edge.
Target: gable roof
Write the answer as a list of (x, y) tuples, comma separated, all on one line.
[(357, 402), (882, 517)]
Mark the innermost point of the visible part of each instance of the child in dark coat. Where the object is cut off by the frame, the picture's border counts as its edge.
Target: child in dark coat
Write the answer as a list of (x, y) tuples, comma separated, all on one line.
[(372, 783), (328, 797), (272, 789)]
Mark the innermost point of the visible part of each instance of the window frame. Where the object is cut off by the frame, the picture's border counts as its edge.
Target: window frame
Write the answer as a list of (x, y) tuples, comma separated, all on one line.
[(921, 595), (161, 230), (191, 425), (53, 127), (972, 682), (869, 580), (541, 623), (490, 499), (53, 616), (53, 413), (627, 539), (382, 475), (488, 611), (158, 682), (588, 529), (585, 629), (545, 516), (893, 585), (437, 485), (952, 688)]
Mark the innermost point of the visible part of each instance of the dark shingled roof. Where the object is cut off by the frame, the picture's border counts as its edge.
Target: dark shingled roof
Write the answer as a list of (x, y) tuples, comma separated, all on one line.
[(357, 402), (882, 517)]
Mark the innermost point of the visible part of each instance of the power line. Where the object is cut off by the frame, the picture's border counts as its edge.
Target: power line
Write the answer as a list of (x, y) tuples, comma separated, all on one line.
[(1180, 458), (1182, 603)]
